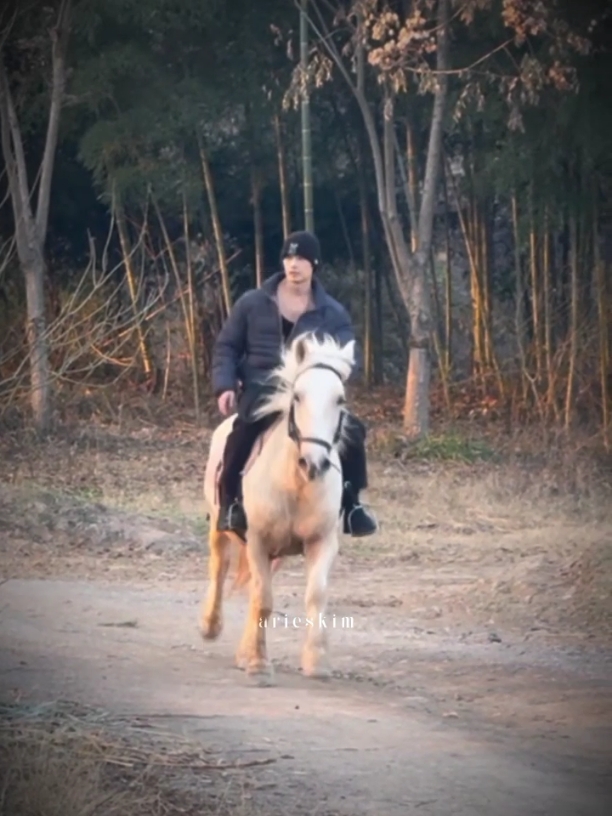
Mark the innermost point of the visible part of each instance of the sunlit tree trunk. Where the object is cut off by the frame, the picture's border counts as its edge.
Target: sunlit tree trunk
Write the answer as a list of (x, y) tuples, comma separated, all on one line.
[(410, 268)]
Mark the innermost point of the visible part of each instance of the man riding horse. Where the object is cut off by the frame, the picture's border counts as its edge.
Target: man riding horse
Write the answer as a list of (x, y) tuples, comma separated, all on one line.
[(247, 350)]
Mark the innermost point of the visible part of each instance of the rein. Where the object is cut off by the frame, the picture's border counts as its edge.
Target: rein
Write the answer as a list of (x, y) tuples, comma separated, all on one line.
[(294, 431)]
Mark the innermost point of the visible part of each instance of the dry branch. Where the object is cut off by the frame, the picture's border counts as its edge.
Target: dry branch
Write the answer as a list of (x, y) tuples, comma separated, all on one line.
[(92, 328)]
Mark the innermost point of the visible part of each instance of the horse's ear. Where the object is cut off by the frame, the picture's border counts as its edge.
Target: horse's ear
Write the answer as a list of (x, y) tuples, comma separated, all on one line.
[(348, 352), (300, 351)]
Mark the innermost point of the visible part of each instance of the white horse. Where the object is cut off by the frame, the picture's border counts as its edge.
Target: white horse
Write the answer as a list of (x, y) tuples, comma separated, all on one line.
[(292, 492)]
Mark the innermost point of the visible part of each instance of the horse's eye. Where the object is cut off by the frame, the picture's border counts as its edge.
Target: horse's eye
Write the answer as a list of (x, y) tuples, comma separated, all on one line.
[(296, 397), (341, 401)]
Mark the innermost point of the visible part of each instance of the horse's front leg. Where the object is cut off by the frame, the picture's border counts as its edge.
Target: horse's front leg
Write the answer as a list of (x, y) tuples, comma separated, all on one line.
[(320, 557), (252, 652), (218, 564)]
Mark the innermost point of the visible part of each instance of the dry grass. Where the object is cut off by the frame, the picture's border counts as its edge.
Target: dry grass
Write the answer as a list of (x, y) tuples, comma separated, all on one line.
[(64, 760), (526, 521)]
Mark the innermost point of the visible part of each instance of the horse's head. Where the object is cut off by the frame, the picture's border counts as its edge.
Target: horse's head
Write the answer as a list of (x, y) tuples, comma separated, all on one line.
[(317, 398)]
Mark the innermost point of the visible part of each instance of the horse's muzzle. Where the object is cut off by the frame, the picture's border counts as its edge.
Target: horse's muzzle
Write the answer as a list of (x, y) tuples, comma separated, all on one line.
[(314, 470)]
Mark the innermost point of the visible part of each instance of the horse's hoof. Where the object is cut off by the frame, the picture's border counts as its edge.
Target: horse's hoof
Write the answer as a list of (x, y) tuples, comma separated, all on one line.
[(211, 628), (260, 674), (316, 669), (241, 661)]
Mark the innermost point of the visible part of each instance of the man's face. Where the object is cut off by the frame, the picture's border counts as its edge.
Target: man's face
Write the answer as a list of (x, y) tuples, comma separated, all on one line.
[(297, 270)]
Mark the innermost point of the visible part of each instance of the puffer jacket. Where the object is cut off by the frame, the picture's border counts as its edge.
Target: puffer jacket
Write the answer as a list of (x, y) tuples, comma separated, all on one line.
[(249, 344)]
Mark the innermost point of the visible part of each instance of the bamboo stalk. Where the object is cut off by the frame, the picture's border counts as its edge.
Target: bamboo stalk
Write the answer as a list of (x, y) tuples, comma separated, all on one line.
[(535, 289), (438, 346), (193, 326), (602, 313), (519, 295), (485, 267), (448, 301), (548, 351), (282, 177), (186, 309), (131, 281), (257, 224), (574, 294), (216, 222)]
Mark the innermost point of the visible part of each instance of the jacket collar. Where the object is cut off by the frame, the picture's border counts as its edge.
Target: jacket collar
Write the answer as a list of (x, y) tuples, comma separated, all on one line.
[(270, 286)]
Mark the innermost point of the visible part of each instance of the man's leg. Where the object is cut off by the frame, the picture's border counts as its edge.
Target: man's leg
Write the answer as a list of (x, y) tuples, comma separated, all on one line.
[(238, 447), (357, 520)]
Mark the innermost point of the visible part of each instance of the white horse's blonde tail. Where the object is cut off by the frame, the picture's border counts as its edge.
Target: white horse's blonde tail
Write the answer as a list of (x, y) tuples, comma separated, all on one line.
[(243, 572)]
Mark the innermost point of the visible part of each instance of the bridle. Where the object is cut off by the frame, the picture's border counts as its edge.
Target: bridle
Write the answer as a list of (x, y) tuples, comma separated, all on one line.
[(294, 431)]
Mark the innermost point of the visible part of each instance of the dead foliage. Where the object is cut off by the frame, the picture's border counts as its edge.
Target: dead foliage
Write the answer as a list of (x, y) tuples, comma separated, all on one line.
[(63, 759)]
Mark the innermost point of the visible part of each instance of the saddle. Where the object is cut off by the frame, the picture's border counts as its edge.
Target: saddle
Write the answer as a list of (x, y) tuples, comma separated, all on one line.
[(218, 450)]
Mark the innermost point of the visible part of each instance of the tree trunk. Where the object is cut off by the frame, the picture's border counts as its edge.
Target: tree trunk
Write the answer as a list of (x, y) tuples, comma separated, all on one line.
[(40, 398), (367, 271), (30, 227), (410, 268), (413, 185), (416, 403)]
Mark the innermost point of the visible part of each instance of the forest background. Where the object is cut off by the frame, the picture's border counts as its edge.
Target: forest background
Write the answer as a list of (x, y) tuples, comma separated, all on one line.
[(459, 155)]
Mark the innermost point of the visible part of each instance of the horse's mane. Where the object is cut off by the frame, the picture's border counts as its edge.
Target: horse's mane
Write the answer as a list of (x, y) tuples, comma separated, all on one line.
[(304, 352)]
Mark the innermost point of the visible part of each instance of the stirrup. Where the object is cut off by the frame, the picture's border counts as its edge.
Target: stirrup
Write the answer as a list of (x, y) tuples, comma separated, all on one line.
[(232, 518), (371, 525)]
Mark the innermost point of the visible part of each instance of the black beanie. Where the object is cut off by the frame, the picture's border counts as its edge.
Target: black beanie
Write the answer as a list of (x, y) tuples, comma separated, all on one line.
[(305, 245)]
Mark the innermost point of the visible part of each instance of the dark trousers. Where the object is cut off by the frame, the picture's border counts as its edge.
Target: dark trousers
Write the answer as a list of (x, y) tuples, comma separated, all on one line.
[(243, 435)]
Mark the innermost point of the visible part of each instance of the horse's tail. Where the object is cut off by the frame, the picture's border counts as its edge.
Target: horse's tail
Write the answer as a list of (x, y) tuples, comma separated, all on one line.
[(243, 572)]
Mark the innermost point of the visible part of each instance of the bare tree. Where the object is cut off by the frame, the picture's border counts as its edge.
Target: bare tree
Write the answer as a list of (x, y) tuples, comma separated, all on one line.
[(410, 263), (31, 223)]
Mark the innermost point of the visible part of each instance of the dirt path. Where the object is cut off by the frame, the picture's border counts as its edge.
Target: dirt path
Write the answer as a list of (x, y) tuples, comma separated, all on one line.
[(410, 724)]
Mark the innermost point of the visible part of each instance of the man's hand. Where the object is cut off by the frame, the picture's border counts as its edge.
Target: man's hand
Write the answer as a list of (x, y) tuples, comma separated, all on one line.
[(227, 402)]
